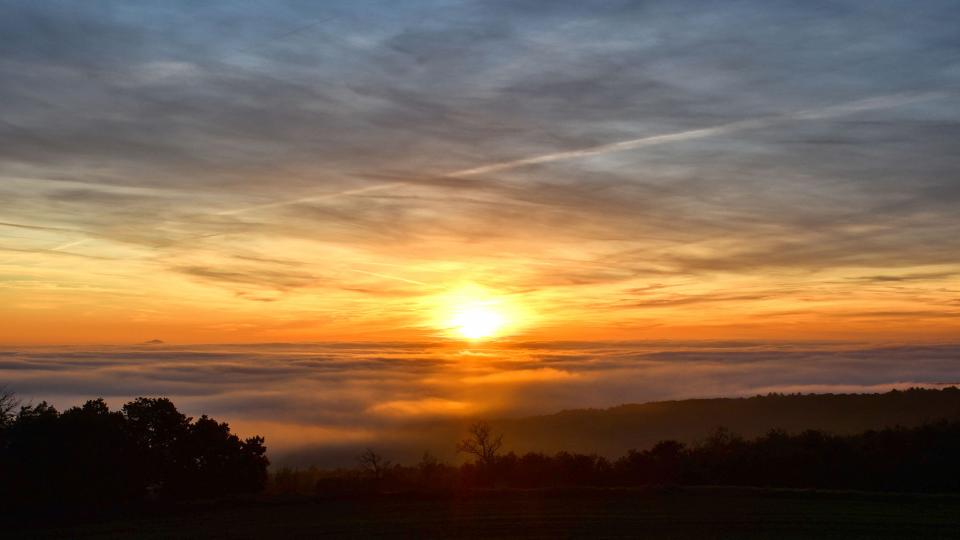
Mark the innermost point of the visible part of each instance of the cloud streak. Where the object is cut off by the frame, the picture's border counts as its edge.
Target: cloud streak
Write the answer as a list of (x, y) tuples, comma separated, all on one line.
[(833, 111), (828, 112)]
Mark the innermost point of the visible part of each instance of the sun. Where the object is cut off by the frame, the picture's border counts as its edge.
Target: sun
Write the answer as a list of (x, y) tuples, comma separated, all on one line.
[(477, 322), (476, 313)]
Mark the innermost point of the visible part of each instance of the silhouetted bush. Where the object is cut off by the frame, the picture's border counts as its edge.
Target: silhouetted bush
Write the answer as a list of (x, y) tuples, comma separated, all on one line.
[(91, 457)]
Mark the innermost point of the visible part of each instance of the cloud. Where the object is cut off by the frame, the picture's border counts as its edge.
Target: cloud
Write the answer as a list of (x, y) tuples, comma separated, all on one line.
[(920, 276), (407, 408), (289, 171), (259, 277), (364, 389), (833, 111), (545, 375)]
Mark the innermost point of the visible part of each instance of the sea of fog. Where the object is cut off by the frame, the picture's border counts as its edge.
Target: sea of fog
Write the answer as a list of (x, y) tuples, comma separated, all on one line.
[(344, 395)]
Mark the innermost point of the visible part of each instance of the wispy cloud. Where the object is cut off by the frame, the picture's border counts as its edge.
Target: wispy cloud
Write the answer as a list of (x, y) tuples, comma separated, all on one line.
[(566, 156), (386, 276), (311, 199), (832, 111)]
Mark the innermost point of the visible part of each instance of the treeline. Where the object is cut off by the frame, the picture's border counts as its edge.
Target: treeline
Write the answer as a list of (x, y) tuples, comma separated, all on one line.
[(609, 431), (919, 459), (92, 457)]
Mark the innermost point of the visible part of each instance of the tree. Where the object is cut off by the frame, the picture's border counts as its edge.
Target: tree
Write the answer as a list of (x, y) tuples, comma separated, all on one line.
[(8, 406), (220, 462), (92, 457), (373, 463), (159, 432), (31, 462), (482, 443), (428, 466), (155, 423)]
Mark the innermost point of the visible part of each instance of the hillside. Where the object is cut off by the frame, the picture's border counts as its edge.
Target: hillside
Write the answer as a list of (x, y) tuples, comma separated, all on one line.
[(612, 431)]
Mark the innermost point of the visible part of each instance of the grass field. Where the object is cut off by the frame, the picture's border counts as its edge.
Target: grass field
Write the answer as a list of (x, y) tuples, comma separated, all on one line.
[(701, 513)]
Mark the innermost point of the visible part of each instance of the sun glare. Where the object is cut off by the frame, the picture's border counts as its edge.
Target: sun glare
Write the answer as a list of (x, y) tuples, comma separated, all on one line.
[(476, 322), (476, 313)]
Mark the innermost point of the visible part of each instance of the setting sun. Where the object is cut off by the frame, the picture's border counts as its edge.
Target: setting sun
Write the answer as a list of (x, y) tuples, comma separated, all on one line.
[(476, 312), (477, 322)]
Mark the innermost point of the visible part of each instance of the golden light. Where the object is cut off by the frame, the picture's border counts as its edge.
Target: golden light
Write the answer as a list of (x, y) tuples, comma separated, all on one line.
[(476, 313), (475, 322)]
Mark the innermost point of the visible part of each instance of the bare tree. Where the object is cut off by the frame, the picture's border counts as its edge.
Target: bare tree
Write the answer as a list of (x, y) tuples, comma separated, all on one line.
[(481, 442), (429, 464), (373, 463), (8, 404)]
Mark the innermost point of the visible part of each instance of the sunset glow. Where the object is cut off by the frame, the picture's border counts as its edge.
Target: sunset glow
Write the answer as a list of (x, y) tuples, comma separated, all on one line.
[(331, 217), (474, 312), (477, 322)]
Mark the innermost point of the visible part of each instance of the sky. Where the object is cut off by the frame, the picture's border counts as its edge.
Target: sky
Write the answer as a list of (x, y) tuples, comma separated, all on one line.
[(373, 174)]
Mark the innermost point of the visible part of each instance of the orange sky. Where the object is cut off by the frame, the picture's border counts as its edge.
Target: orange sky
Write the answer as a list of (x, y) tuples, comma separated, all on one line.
[(596, 173), (69, 300)]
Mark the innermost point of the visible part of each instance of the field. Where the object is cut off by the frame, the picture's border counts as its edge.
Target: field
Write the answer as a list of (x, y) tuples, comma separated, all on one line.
[(701, 513)]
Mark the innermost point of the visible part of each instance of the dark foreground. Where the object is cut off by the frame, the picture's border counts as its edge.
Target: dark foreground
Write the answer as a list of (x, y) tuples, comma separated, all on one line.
[(666, 513)]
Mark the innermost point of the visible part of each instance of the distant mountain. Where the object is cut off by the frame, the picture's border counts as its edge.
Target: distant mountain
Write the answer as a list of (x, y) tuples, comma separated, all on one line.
[(611, 432)]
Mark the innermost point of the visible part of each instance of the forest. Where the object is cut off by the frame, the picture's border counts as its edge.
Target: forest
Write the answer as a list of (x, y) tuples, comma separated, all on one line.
[(149, 453), (920, 459), (89, 457), (611, 432)]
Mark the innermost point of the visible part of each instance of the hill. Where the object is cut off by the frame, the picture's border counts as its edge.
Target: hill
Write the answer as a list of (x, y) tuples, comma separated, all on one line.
[(613, 431)]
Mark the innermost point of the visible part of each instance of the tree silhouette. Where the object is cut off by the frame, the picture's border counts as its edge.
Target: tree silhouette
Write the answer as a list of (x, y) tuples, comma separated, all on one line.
[(220, 460), (90, 457), (373, 463), (481, 443), (99, 447), (8, 405), (159, 431)]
